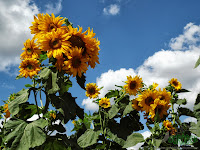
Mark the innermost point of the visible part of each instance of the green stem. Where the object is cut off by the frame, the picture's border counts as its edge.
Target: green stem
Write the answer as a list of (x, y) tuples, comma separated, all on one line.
[(120, 98), (102, 127), (41, 98), (35, 97), (173, 116)]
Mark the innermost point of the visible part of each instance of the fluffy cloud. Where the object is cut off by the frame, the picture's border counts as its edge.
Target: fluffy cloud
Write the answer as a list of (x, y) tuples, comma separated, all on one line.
[(190, 119), (50, 8), (112, 9), (178, 62)]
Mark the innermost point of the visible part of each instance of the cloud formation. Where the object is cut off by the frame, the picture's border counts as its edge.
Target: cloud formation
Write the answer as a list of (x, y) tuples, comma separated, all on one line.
[(112, 9), (178, 62), (53, 8)]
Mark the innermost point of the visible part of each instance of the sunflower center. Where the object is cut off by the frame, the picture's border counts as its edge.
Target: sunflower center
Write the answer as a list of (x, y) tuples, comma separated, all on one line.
[(175, 83), (149, 100), (132, 85), (159, 108), (30, 67), (29, 50), (77, 41), (104, 104), (92, 91), (76, 62), (55, 44), (162, 97), (52, 26)]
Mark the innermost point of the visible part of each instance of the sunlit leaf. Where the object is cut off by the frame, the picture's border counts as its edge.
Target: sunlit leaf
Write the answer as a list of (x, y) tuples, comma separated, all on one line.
[(128, 109), (133, 139), (197, 63), (112, 93), (113, 111)]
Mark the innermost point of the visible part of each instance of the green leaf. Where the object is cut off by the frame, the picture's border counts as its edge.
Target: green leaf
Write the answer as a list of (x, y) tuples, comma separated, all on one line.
[(25, 135), (54, 145), (113, 111), (182, 91), (181, 101), (112, 93), (28, 85), (44, 74), (195, 128), (54, 86), (133, 139), (22, 97), (67, 22), (128, 109), (197, 107), (185, 111), (65, 86), (197, 63), (157, 142), (88, 138), (114, 137), (18, 77), (81, 81), (43, 57)]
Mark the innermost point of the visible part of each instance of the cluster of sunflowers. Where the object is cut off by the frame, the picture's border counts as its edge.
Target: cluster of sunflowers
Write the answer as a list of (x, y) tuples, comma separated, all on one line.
[(71, 49)]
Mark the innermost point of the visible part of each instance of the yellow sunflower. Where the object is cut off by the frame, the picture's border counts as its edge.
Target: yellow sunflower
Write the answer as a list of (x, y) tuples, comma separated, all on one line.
[(155, 85), (59, 63), (104, 102), (55, 43), (133, 85), (29, 67), (76, 64), (146, 98), (159, 106), (50, 23), (87, 42), (164, 95), (135, 105), (37, 20), (6, 110), (74, 122), (53, 115), (92, 90), (175, 83), (168, 125), (31, 50)]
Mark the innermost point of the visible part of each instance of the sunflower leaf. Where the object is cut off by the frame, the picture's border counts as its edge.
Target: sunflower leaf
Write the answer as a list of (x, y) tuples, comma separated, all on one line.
[(25, 135), (114, 137), (112, 93), (197, 63), (44, 74), (113, 111), (133, 139), (182, 91), (185, 111), (181, 101), (22, 97), (81, 81), (128, 109)]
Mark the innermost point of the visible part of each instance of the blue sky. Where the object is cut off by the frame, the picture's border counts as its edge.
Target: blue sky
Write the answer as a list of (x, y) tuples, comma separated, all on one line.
[(155, 39)]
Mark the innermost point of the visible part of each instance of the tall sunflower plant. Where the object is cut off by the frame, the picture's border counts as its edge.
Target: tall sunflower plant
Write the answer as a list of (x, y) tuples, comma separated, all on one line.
[(58, 52)]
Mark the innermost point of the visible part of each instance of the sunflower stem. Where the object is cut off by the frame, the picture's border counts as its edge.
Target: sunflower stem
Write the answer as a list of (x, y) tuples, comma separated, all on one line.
[(173, 116), (35, 97), (41, 98), (102, 128)]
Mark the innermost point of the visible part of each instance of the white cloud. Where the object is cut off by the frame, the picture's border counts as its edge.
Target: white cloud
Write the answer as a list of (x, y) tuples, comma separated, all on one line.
[(15, 17), (50, 8), (112, 9), (34, 117), (165, 64), (7, 86), (190, 119)]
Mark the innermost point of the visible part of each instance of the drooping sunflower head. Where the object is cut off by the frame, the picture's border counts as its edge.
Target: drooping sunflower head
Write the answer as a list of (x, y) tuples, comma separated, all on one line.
[(76, 64), (50, 23), (85, 41), (104, 102), (53, 115), (133, 85), (159, 107), (59, 63), (31, 50), (164, 95), (168, 125), (5, 107), (37, 20), (146, 98), (29, 67), (135, 105), (55, 43), (175, 83), (92, 90)]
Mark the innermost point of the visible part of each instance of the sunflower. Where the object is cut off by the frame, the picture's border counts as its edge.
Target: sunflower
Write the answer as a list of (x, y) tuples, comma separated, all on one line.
[(74, 122), (104, 102), (133, 85), (168, 125), (59, 63), (164, 95), (135, 105), (159, 106), (31, 50), (55, 43), (29, 67), (92, 90), (53, 115), (146, 98), (50, 23), (154, 85), (87, 42), (76, 64), (34, 28), (5, 107), (175, 83)]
